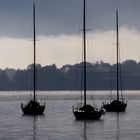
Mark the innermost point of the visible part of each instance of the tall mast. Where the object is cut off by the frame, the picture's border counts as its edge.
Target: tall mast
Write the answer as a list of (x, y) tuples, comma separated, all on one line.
[(34, 57), (117, 48), (84, 41)]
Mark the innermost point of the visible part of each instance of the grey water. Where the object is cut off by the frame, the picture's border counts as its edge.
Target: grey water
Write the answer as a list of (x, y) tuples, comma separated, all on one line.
[(58, 123)]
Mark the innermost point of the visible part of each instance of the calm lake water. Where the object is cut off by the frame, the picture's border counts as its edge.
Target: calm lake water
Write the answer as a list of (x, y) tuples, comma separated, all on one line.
[(58, 123)]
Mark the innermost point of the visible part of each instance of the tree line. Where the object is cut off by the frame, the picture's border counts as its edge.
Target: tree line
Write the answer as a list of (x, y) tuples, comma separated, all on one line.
[(100, 76)]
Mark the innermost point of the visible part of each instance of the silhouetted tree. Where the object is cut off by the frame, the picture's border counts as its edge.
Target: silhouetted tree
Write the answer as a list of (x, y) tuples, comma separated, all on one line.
[(69, 77)]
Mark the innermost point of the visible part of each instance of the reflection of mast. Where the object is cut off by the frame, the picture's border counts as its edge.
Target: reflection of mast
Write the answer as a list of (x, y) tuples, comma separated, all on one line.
[(34, 128), (118, 128), (85, 130)]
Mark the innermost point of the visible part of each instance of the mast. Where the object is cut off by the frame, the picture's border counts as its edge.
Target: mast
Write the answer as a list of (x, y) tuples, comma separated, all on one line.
[(117, 48), (34, 57), (84, 41)]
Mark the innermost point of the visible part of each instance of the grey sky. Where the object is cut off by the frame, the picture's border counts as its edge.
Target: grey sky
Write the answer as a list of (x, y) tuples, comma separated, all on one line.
[(63, 16), (58, 22)]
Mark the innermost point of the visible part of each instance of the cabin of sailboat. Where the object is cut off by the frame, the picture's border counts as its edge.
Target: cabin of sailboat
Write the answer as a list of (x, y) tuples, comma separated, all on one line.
[(118, 105), (86, 111), (33, 107)]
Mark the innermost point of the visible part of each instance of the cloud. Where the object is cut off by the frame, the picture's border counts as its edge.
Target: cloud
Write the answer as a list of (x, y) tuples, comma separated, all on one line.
[(64, 16), (66, 49), (14, 52)]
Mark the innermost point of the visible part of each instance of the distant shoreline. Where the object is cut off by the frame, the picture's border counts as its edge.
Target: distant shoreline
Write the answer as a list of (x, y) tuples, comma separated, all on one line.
[(100, 76)]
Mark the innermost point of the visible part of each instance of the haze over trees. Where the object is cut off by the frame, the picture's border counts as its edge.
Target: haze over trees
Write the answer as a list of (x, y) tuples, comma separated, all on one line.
[(100, 76)]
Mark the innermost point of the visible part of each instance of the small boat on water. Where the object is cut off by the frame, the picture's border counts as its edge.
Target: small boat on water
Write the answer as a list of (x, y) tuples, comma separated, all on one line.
[(118, 105), (34, 106), (86, 111)]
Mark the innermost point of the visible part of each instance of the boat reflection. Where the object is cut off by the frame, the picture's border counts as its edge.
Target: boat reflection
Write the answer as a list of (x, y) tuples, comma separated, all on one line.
[(85, 130), (117, 126), (32, 122), (34, 127)]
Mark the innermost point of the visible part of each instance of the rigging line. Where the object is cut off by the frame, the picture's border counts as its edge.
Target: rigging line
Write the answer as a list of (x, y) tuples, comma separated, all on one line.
[(27, 72), (89, 53), (76, 82), (112, 71), (77, 58), (120, 76), (120, 70), (76, 72), (80, 67), (91, 70), (111, 80), (81, 82), (93, 77), (77, 68), (76, 77), (40, 75), (82, 72), (93, 84), (90, 44)]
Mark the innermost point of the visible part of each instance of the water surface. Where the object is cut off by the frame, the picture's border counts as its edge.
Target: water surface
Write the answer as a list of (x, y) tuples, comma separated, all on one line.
[(58, 123)]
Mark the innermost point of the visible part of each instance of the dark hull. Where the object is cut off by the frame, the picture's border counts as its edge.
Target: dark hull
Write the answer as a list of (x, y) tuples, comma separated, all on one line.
[(115, 107), (33, 111), (33, 108), (96, 115)]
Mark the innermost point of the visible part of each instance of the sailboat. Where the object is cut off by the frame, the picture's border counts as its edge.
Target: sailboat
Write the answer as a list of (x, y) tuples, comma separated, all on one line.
[(118, 105), (34, 106), (86, 111)]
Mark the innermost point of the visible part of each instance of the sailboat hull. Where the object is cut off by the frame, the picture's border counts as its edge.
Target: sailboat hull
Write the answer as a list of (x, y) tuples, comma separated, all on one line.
[(33, 108), (87, 112), (32, 111), (115, 106), (96, 115)]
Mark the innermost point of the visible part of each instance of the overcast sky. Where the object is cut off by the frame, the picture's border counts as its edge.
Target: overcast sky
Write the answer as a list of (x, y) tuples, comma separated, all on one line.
[(58, 23), (64, 16)]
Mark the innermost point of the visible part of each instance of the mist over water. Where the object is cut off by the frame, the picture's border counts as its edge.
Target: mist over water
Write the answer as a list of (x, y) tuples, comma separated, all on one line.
[(68, 95), (58, 123)]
